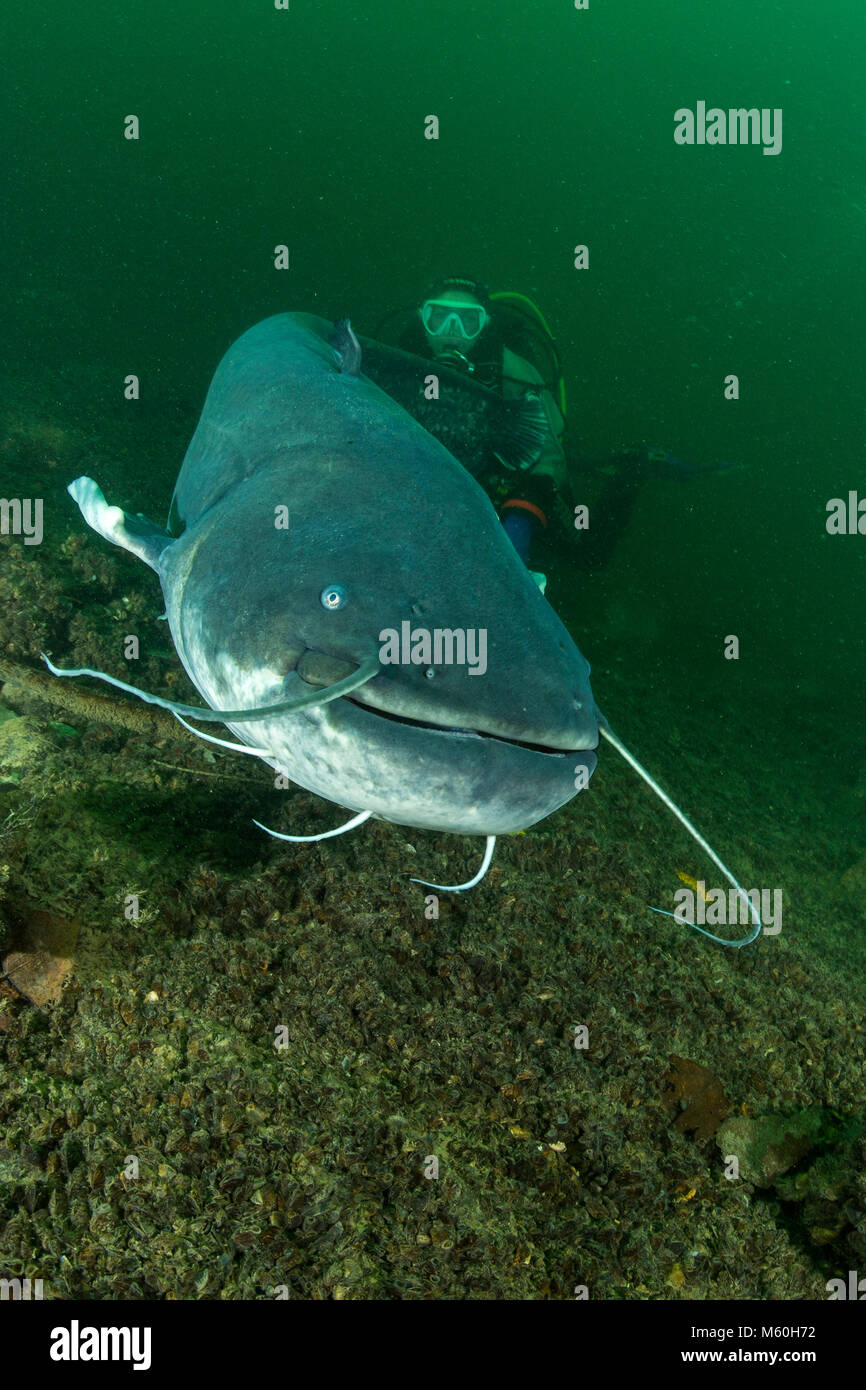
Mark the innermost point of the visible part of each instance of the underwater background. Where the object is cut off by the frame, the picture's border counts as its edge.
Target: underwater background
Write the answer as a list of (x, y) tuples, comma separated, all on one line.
[(306, 1167)]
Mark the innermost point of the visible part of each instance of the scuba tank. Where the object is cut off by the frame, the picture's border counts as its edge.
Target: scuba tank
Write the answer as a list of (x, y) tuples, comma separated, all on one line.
[(526, 332)]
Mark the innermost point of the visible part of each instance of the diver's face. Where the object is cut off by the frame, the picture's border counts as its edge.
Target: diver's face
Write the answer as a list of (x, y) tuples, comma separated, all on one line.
[(443, 329)]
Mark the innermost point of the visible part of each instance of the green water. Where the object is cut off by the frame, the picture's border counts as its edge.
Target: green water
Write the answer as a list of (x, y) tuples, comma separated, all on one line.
[(260, 127), (306, 127)]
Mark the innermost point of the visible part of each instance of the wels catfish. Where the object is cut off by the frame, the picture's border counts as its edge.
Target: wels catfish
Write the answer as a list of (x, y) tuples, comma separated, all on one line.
[(341, 592)]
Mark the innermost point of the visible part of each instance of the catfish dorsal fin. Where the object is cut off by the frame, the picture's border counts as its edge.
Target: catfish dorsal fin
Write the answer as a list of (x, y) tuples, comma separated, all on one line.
[(347, 348)]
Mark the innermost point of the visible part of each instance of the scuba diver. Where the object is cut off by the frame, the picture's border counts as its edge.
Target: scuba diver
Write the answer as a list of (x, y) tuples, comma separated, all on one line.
[(503, 342)]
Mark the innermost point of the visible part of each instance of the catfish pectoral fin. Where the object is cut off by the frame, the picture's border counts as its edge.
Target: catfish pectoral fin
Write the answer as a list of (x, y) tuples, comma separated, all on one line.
[(134, 533)]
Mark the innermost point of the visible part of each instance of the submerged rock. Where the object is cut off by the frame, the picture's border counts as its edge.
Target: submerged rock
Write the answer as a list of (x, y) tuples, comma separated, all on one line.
[(768, 1145), (41, 963)]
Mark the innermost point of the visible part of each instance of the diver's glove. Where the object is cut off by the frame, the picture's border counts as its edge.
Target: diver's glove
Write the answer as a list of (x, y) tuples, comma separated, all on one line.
[(666, 466), (642, 464)]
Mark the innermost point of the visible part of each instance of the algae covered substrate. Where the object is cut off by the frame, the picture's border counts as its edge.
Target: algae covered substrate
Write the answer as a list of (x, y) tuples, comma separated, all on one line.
[(235, 1068)]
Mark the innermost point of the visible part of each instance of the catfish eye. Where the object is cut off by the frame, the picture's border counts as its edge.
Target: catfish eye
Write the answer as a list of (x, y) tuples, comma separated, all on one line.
[(333, 596)]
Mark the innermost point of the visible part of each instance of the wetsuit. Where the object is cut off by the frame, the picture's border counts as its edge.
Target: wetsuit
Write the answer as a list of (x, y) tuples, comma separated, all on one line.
[(536, 503)]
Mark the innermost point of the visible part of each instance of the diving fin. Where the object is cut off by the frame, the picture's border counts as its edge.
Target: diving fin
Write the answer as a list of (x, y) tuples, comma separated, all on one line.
[(525, 430)]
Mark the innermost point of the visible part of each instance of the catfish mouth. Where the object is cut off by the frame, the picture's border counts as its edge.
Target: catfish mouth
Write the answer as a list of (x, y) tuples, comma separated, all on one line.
[(430, 727), (317, 668)]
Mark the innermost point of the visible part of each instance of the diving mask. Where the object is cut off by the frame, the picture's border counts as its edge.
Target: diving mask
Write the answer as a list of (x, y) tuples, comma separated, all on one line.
[(448, 318)]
